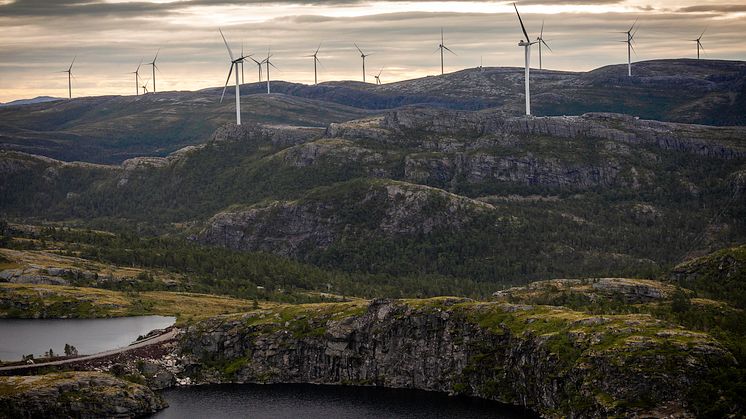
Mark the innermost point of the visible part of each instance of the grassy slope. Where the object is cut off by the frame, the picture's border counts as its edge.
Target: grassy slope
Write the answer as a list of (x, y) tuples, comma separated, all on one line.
[(54, 301)]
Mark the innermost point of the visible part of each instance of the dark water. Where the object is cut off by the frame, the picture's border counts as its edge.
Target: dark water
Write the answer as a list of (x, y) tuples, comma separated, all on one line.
[(19, 337), (306, 401)]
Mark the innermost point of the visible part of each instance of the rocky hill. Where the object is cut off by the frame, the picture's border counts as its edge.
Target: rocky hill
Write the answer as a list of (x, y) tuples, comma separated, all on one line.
[(110, 129), (496, 198), (75, 394)]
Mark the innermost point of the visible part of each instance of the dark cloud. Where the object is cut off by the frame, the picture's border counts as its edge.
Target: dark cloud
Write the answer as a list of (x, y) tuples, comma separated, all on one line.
[(716, 8)]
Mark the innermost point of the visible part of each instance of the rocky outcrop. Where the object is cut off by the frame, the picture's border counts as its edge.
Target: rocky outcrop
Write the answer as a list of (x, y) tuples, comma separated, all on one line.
[(631, 291), (279, 136), (555, 361), (381, 208), (419, 126), (528, 170), (75, 394)]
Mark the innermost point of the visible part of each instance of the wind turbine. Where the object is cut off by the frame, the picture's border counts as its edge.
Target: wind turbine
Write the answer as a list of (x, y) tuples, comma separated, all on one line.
[(362, 55), (234, 63), (145, 87), (155, 67), (442, 46), (378, 76), (269, 63), (540, 40), (315, 60), (259, 64), (69, 72), (526, 44), (137, 78), (699, 42), (630, 48)]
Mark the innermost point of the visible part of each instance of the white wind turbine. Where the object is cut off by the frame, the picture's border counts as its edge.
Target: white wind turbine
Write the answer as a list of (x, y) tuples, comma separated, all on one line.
[(269, 63), (258, 64), (155, 67), (442, 46), (699, 42), (526, 44), (362, 55), (69, 72), (540, 40), (315, 61), (145, 87), (234, 63), (137, 78), (630, 48), (378, 76)]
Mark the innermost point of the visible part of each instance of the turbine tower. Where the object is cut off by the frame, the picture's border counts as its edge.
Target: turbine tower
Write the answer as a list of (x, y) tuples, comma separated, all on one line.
[(378, 76), (362, 55), (699, 43), (442, 46), (145, 87), (137, 78), (69, 72), (526, 44), (630, 48), (315, 60), (269, 63), (234, 63), (155, 67), (258, 64), (540, 40)]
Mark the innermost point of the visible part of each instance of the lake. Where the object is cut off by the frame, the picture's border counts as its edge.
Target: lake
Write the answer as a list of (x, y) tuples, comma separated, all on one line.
[(318, 401), (20, 337)]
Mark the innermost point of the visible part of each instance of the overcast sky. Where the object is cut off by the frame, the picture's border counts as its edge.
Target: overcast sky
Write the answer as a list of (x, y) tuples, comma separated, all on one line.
[(109, 37)]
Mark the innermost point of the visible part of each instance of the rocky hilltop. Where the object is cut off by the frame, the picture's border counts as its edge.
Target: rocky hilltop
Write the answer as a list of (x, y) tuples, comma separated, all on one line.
[(556, 361), (75, 394)]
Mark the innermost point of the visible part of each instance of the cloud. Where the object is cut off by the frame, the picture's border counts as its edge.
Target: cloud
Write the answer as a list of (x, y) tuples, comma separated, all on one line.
[(35, 48), (717, 8)]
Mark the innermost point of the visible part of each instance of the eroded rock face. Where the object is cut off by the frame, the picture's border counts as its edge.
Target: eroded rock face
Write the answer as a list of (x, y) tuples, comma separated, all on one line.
[(555, 361), (419, 125), (75, 394)]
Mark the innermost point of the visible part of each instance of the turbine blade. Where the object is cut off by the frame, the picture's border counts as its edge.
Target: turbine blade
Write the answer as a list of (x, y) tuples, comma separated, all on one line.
[(71, 64), (546, 45), (521, 20), (358, 48), (633, 25), (633, 49), (449, 50), (156, 54), (270, 63), (317, 49), (230, 53), (226, 83), (541, 34)]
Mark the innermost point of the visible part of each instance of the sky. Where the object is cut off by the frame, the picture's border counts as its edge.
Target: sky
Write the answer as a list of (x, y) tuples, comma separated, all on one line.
[(39, 38)]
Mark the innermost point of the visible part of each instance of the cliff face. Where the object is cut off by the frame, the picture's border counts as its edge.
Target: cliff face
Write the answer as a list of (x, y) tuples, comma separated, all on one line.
[(553, 360), (381, 208), (75, 394)]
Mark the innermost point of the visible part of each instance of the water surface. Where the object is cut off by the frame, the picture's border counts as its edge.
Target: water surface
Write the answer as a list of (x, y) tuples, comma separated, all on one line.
[(306, 401), (20, 337)]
